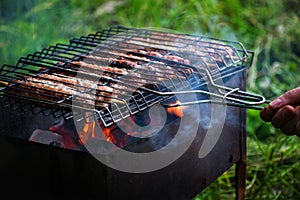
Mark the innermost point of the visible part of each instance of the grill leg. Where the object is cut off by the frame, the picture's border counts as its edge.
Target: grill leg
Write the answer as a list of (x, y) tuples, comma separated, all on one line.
[(240, 170), (240, 175)]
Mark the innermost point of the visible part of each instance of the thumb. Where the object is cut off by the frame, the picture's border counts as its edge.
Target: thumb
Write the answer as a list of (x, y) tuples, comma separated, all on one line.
[(291, 97)]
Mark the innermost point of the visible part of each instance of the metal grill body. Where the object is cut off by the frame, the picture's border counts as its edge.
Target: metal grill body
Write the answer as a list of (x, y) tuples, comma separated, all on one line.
[(44, 170)]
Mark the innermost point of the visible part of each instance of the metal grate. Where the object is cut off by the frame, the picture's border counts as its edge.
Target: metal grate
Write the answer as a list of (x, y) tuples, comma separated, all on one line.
[(118, 72)]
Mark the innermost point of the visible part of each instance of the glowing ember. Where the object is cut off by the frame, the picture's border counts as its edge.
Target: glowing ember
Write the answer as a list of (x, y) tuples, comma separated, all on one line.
[(69, 136), (177, 110), (109, 136), (88, 130)]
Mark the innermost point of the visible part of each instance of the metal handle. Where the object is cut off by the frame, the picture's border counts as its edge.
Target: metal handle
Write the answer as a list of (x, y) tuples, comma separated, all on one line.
[(234, 97), (254, 107)]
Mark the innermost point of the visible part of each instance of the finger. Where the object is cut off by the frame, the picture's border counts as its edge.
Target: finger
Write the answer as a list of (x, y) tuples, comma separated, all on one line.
[(289, 127), (267, 114), (283, 115), (292, 97)]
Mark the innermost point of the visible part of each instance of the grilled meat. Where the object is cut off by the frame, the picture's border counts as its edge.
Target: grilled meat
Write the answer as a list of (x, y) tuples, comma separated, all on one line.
[(115, 79)]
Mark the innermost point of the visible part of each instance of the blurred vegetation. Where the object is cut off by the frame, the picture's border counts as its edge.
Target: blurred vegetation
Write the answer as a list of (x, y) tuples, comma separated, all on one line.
[(269, 28)]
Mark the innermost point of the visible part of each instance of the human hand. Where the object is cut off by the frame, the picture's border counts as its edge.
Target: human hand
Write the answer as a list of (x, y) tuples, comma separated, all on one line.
[(284, 112)]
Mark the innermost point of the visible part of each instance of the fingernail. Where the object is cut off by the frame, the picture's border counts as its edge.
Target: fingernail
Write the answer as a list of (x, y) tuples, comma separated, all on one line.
[(276, 103)]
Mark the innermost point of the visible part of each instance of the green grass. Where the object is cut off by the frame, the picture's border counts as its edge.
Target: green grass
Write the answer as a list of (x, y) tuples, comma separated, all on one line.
[(269, 28)]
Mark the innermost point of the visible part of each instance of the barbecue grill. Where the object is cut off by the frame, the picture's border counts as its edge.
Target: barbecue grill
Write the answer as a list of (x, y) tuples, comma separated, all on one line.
[(121, 73)]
